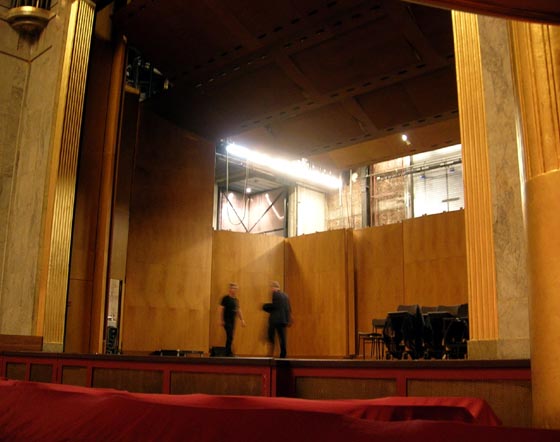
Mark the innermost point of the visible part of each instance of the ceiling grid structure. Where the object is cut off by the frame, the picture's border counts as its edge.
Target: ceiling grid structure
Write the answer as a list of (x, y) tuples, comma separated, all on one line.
[(336, 82)]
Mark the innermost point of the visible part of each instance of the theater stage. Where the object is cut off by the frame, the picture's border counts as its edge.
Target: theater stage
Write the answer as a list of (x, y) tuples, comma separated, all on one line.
[(505, 385)]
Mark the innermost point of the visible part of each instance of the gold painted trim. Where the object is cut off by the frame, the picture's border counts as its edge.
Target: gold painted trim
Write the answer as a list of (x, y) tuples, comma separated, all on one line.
[(481, 264), (66, 144), (536, 62)]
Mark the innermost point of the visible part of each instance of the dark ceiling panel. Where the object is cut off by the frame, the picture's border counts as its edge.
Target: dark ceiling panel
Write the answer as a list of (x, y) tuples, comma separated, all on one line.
[(415, 99), (369, 51), (315, 129), (436, 26), (389, 107), (434, 93), (301, 77), (267, 21), (248, 95)]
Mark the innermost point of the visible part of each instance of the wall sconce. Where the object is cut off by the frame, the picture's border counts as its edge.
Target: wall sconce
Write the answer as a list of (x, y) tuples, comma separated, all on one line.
[(29, 17)]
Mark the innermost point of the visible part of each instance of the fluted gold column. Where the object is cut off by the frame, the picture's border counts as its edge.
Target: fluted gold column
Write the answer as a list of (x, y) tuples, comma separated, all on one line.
[(537, 66), (476, 177), (66, 142)]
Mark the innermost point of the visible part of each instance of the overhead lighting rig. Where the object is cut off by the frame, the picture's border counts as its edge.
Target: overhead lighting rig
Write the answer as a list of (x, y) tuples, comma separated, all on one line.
[(299, 170)]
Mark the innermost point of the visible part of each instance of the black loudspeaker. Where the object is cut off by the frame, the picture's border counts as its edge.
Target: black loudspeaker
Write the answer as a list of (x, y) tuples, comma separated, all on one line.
[(112, 345), (218, 351)]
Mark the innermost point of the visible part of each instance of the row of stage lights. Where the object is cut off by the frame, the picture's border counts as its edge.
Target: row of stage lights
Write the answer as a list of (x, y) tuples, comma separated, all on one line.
[(300, 170)]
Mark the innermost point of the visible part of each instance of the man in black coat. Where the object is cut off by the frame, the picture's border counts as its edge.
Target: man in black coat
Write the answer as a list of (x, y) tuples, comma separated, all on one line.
[(229, 311), (280, 317)]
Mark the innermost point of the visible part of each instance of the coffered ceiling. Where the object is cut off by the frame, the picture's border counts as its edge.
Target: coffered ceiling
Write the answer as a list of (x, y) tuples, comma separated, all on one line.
[(337, 82)]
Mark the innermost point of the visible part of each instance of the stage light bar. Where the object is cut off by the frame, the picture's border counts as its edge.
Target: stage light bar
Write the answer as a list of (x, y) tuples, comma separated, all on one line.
[(300, 170)]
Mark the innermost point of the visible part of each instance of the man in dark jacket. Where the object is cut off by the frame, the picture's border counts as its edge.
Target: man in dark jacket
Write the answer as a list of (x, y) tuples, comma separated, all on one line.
[(229, 311), (280, 317)]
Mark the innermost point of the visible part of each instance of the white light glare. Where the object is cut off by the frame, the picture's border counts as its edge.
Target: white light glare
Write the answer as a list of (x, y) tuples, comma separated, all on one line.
[(298, 169), (404, 137)]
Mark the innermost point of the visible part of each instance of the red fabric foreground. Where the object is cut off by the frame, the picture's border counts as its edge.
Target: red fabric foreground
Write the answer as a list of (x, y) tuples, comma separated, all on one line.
[(48, 412)]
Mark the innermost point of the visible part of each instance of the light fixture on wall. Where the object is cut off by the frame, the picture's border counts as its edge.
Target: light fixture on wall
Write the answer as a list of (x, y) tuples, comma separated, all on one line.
[(29, 17), (405, 139), (299, 170)]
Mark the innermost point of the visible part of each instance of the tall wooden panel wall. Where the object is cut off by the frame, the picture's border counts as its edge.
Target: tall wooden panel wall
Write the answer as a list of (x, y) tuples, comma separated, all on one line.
[(321, 291), (90, 167), (379, 272), (420, 261), (167, 288), (435, 268), (252, 261)]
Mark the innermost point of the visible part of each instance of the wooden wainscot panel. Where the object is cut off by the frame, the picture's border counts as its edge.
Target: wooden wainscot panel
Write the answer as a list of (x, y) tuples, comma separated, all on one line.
[(316, 281), (510, 399), (251, 261), (216, 383), (74, 376), (138, 381), (344, 388), (169, 261), (16, 371), (435, 269), (41, 373), (378, 255)]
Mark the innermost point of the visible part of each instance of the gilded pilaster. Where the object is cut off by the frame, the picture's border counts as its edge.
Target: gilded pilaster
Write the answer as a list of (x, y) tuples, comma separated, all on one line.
[(537, 64), (476, 175), (66, 142), (537, 68)]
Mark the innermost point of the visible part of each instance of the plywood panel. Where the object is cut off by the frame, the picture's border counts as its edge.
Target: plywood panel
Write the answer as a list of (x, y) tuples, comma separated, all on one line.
[(350, 294), (87, 204), (378, 253), (78, 316), (251, 261), (316, 281), (435, 282), (123, 186), (434, 236), (435, 269), (167, 297)]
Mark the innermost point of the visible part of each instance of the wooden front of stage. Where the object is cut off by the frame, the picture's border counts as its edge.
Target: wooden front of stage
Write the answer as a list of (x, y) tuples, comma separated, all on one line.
[(505, 385)]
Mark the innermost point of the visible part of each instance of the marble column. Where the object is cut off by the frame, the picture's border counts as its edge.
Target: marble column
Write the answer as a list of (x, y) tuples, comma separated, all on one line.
[(537, 67), (496, 243), (29, 76), (39, 120)]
